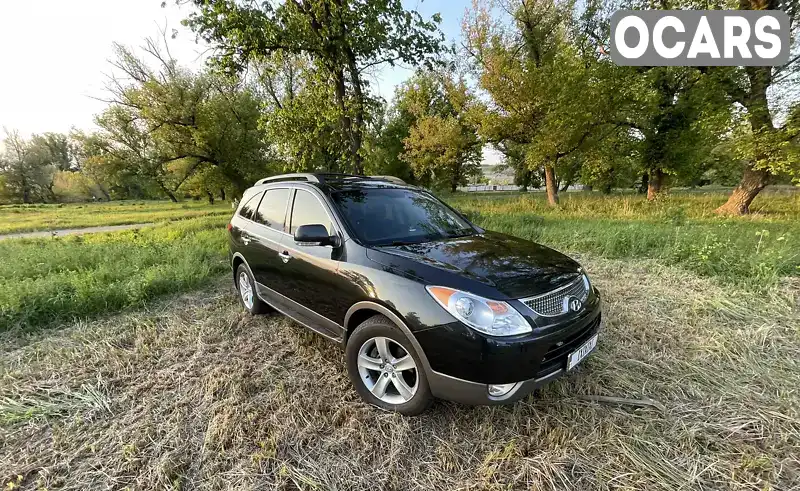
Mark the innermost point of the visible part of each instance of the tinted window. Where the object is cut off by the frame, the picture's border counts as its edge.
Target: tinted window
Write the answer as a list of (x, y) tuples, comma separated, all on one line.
[(248, 210), (307, 210), (272, 210), (385, 216)]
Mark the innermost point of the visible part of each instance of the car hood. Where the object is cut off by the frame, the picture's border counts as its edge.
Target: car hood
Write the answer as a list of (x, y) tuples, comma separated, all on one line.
[(515, 267)]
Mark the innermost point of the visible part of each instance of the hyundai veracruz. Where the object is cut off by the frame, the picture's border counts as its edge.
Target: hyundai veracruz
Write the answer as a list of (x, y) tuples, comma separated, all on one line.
[(425, 303)]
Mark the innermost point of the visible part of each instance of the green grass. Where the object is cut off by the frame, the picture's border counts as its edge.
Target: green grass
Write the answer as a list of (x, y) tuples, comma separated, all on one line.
[(46, 280), (679, 229), (30, 218), (51, 280)]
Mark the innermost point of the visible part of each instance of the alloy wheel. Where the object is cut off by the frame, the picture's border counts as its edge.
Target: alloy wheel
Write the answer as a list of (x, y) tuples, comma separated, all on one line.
[(387, 370), (246, 290)]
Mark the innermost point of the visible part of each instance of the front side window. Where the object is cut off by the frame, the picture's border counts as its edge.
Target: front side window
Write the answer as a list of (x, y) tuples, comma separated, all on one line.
[(307, 210), (248, 210), (395, 216), (272, 210)]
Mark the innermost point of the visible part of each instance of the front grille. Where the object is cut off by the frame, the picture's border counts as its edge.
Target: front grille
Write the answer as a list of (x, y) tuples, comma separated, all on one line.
[(555, 302)]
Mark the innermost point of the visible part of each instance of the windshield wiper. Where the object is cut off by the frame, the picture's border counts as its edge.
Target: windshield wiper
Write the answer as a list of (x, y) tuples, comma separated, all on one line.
[(461, 233), (396, 243)]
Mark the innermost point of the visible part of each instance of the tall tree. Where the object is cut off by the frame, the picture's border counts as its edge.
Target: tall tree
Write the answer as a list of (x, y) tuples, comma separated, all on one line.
[(299, 114), (27, 168), (391, 128), (547, 101), (768, 146), (442, 147), (166, 123), (343, 39)]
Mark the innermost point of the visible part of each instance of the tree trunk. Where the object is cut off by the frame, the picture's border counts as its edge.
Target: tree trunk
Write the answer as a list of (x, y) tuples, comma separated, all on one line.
[(222, 194), (654, 184), (753, 181), (643, 185), (456, 177), (358, 116), (105, 193), (550, 184), (210, 197), (169, 193), (606, 189), (344, 120), (238, 182)]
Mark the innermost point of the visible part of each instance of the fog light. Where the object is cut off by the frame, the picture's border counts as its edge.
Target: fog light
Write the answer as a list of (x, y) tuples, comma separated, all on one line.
[(498, 390)]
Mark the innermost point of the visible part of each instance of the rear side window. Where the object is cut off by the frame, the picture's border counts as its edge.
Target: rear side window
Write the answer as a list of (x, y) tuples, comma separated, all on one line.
[(272, 210), (307, 210), (248, 210)]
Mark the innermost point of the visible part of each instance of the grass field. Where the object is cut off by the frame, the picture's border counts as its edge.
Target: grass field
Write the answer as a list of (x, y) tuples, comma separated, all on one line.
[(192, 393), (43, 281), (680, 229), (149, 375), (31, 218)]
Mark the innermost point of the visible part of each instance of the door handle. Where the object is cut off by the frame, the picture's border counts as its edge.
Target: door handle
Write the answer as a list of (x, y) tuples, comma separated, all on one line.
[(246, 238), (285, 256)]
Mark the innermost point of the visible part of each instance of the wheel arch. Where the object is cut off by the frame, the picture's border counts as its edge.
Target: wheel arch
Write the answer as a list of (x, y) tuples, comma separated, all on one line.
[(362, 311), (236, 260)]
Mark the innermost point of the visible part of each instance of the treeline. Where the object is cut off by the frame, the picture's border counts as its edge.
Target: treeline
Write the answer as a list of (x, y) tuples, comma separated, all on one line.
[(288, 89)]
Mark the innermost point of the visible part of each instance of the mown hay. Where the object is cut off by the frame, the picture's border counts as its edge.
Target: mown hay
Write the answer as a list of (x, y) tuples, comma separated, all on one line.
[(194, 394)]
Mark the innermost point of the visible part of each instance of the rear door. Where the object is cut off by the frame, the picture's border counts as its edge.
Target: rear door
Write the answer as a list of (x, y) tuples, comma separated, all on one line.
[(241, 222), (268, 232)]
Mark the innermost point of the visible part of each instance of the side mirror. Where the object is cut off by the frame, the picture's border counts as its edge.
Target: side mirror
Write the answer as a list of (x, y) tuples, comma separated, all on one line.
[(315, 235)]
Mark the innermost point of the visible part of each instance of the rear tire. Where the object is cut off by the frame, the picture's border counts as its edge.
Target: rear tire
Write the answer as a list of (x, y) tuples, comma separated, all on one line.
[(385, 369), (248, 296)]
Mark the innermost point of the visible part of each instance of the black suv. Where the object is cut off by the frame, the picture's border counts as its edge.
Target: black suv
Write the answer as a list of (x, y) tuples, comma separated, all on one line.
[(424, 302)]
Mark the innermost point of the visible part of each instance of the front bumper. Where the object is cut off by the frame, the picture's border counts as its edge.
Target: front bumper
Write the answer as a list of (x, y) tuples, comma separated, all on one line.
[(477, 394), (528, 363)]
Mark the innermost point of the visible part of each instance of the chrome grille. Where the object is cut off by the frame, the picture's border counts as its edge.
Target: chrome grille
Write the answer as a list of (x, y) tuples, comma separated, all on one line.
[(554, 303)]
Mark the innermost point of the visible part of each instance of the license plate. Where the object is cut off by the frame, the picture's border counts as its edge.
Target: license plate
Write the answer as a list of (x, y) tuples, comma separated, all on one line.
[(579, 354)]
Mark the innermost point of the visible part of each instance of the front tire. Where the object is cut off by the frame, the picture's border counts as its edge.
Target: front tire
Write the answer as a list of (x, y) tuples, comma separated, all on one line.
[(385, 369), (246, 287)]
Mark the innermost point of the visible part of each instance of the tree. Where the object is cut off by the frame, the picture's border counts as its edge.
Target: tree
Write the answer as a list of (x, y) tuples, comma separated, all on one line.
[(299, 114), (342, 38), (89, 152), (677, 120), (547, 100), (768, 146), (442, 147), (165, 124), (26, 168), (671, 117), (390, 129)]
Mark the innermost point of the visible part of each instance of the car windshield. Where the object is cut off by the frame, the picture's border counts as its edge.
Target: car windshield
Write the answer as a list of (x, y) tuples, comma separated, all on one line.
[(395, 216)]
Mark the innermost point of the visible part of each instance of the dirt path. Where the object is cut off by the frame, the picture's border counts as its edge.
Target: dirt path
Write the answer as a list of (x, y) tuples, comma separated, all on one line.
[(74, 231)]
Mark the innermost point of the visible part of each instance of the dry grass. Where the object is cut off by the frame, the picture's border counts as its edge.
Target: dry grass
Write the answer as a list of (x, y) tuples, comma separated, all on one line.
[(194, 394)]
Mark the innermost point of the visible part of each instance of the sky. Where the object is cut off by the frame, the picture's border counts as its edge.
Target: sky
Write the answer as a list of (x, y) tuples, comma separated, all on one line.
[(55, 54)]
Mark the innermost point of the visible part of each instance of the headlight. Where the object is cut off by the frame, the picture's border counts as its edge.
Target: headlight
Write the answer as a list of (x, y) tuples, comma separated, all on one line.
[(484, 315)]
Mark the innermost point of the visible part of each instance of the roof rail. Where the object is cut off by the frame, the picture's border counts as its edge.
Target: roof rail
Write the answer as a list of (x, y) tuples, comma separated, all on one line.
[(393, 179), (321, 177), (300, 176)]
